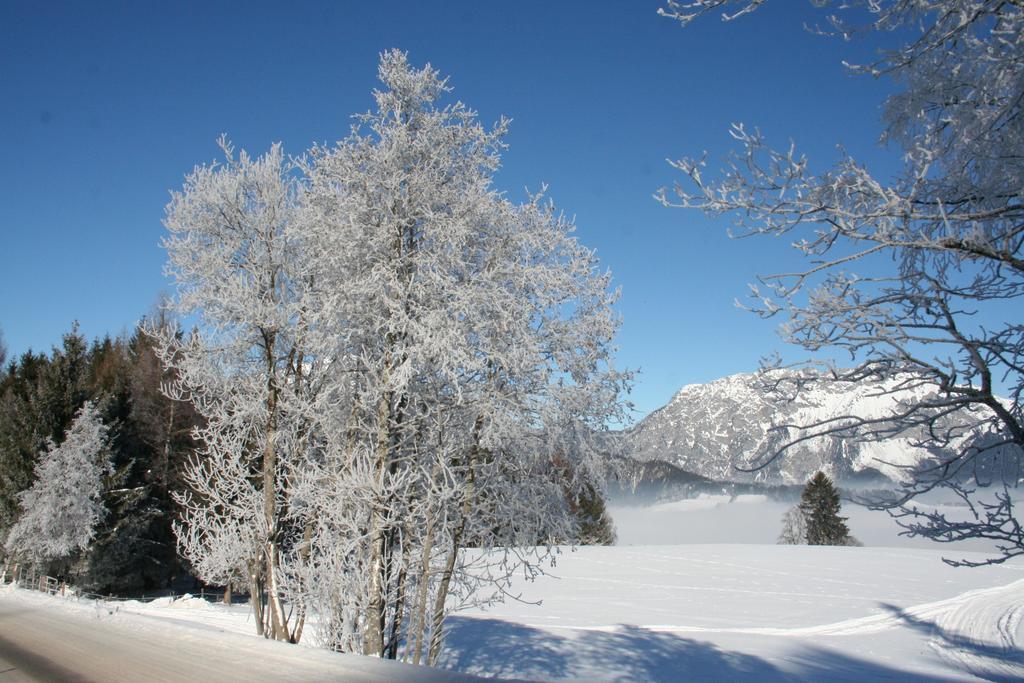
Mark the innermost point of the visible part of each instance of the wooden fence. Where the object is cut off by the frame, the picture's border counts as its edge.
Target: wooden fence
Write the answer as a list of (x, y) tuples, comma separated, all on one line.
[(30, 579)]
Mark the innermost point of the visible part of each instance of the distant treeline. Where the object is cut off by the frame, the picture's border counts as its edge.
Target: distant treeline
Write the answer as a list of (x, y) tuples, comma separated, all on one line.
[(40, 393)]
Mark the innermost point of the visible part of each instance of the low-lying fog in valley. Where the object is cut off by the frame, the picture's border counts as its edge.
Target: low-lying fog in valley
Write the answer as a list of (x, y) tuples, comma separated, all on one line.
[(757, 518)]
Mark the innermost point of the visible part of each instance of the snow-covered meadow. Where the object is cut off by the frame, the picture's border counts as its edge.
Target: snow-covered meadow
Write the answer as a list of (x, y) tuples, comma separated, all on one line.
[(752, 612), (742, 609), (698, 588)]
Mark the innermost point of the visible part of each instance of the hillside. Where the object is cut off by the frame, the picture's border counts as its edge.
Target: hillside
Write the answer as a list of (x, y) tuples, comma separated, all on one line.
[(712, 429)]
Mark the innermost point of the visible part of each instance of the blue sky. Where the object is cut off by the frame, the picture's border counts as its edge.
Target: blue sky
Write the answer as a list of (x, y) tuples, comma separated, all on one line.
[(104, 107)]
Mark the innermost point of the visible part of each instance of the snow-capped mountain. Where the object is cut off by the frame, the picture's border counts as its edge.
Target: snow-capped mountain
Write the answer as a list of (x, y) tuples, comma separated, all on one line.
[(710, 429)]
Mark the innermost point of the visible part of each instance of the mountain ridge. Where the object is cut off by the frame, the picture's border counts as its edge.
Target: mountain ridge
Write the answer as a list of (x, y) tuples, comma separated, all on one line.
[(720, 430)]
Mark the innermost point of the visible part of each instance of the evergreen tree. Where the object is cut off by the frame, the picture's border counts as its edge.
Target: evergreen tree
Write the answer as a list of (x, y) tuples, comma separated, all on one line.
[(164, 427), (64, 385), (132, 548), (21, 432), (164, 424), (596, 526), (63, 506), (121, 556), (819, 504), (39, 396), (591, 523)]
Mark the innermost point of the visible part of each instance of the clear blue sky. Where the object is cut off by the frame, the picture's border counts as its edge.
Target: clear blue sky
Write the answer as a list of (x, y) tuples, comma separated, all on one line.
[(104, 107)]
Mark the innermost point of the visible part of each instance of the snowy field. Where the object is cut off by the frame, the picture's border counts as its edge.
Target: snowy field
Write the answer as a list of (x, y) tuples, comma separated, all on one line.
[(749, 612), (744, 609)]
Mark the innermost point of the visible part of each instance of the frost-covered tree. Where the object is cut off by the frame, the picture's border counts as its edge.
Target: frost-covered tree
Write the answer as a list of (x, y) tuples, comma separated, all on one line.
[(40, 397), (941, 242), (61, 509), (794, 527), (245, 371), (469, 341), (398, 370)]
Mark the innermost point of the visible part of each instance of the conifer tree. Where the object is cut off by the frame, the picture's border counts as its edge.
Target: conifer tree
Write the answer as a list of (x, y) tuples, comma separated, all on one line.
[(64, 385), (596, 526), (39, 397), (21, 432), (820, 506), (132, 547), (62, 508)]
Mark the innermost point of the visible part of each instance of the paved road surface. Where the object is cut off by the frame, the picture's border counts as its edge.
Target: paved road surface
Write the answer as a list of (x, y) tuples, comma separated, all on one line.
[(40, 642)]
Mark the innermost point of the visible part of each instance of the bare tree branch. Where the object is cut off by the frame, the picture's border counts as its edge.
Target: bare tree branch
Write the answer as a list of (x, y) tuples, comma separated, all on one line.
[(947, 232)]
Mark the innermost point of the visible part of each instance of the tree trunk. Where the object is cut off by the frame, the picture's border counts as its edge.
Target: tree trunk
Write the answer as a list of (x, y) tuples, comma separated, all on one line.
[(256, 599), (373, 635), (300, 622), (300, 617), (399, 611), (423, 589), (278, 620), (166, 455), (437, 617)]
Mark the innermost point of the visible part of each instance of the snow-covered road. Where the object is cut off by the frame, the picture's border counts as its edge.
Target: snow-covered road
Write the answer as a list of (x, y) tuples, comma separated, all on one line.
[(49, 639)]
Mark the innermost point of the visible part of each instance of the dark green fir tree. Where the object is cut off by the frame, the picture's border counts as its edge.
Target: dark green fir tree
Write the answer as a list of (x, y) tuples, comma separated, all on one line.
[(820, 506), (596, 526)]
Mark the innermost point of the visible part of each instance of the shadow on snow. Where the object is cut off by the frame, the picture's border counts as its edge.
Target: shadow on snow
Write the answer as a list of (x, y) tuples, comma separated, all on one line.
[(985, 660), (492, 647)]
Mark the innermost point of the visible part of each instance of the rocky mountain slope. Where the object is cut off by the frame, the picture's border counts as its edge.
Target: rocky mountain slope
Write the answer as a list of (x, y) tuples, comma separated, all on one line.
[(711, 429)]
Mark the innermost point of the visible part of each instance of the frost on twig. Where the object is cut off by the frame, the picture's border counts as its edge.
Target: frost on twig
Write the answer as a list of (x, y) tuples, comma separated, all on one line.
[(401, 371), (916, 279)]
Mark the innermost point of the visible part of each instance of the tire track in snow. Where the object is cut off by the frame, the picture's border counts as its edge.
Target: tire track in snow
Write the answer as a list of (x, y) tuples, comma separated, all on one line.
[(984, 636), (703, 588), (986, 614), (1009, 626), (648, 569)]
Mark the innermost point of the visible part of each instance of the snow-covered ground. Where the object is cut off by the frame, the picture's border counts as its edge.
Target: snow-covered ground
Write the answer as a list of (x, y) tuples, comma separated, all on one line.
[(750, 612), (741, 610)]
